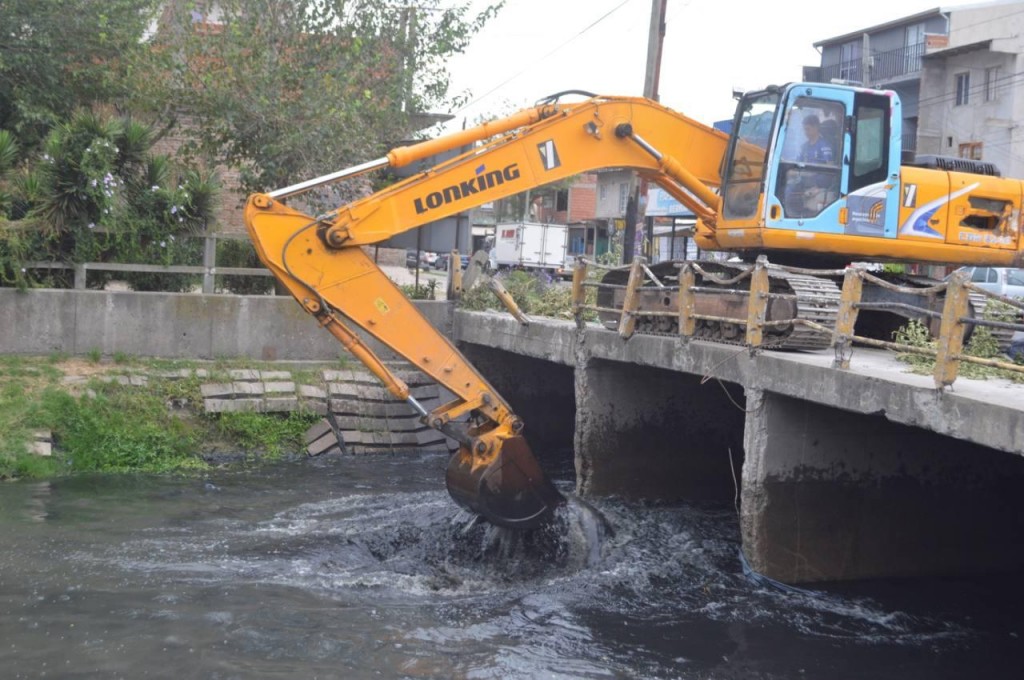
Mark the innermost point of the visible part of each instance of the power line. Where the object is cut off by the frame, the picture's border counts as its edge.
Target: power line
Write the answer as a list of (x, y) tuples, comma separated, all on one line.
[(542, 58)]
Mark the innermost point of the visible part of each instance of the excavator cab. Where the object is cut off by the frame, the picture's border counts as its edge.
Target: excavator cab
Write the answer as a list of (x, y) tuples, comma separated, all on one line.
[(808, 164)]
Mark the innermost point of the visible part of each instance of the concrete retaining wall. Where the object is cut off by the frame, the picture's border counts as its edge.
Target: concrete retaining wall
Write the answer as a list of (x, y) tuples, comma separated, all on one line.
[(169, 325)]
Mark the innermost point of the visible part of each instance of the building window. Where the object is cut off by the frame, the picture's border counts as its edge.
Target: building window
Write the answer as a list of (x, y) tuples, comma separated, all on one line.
[(849, 60), (992, 76), (963, 86), (562, 200), (913, 45), (971, 150)]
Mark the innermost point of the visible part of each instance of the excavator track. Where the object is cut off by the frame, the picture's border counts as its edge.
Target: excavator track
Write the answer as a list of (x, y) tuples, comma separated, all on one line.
[(795, 296), (978, 302)]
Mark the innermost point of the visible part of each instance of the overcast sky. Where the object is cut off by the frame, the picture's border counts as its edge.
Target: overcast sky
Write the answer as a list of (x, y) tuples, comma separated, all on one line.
[(536, 47)]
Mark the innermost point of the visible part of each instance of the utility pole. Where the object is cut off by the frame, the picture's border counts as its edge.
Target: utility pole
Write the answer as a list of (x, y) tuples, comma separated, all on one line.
[(638, 190)]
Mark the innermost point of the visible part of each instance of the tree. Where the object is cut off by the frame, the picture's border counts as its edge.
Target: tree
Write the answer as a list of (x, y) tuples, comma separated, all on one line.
[(57, 56), (99, 193), (285, 90)]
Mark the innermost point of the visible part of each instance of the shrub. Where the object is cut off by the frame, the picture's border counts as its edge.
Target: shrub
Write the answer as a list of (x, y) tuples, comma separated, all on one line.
[(240, 253)]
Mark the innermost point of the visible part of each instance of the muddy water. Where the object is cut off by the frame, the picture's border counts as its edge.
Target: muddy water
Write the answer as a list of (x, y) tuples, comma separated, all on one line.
[(360, 568)]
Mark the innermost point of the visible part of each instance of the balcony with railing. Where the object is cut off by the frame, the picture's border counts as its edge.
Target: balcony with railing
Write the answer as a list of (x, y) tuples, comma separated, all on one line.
[(851, 71), (884, 67), (896, 64)]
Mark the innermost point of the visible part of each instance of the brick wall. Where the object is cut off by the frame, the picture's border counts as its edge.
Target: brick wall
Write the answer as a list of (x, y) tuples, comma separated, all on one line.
[(230, 200), (583, 199)]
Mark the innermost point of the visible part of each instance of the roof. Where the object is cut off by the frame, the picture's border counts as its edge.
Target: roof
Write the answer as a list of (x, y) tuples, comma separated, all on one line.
[(914, 18), (910, 19)]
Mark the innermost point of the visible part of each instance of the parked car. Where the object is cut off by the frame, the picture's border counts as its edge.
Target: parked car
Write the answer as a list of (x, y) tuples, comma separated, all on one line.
[(410, 258), (999, 280), (442, 261), (428, 258)]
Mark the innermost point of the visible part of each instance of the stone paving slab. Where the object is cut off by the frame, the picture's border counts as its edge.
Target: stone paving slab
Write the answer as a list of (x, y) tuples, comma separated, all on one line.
[(217, 390), (233, 405), (371, 408), (41, 444), (247, 388), (279, 387), (280, 404), (312, 392)]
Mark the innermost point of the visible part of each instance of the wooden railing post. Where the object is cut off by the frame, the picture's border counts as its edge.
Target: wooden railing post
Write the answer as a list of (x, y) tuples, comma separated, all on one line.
[(951, 332), (846, 317), (579, 293), (757, 305), (687, 303), (631, 303)]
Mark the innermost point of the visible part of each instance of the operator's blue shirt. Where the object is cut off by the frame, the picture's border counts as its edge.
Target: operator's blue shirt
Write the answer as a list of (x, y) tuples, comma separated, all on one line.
[(816, 152)]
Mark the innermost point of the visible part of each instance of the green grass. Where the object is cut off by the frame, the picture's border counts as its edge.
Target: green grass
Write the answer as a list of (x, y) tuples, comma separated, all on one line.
[(115, 428), (532, 293), (270, 436), (982, 345)]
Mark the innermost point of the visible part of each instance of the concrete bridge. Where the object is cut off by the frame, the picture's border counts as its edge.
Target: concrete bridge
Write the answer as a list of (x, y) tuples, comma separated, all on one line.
[(839, 474), (846, 474)]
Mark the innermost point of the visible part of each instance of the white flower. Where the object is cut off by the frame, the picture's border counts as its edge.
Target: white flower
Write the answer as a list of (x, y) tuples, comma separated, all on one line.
[(155, 187), (92, 225), (22, 270), (174, 209), (163, 244), (92, 183)]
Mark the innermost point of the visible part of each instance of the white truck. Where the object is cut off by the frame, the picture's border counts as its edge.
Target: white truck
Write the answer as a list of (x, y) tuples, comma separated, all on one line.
[(532, 245)]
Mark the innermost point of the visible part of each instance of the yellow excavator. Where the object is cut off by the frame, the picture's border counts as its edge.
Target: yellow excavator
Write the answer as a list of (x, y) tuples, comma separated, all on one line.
[(811, 174)]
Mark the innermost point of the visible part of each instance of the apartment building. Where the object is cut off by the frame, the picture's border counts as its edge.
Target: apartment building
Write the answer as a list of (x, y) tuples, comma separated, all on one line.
[(957, 71)]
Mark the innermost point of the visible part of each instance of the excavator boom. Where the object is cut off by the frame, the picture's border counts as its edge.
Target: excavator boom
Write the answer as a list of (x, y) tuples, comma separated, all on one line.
[(321, 262)]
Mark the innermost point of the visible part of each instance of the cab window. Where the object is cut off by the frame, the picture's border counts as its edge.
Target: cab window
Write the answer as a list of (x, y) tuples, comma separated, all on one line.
[(870, 140), (809, 169)]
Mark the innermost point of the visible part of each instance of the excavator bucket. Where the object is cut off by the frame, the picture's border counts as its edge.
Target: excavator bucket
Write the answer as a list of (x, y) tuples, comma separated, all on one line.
[(509, 491)]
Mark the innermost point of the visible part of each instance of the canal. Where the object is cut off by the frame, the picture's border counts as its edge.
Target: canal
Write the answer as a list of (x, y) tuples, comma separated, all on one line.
[(363, 568)]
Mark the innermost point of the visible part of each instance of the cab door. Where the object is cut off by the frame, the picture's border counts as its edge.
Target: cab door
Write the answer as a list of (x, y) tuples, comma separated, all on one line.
[(808, 184)]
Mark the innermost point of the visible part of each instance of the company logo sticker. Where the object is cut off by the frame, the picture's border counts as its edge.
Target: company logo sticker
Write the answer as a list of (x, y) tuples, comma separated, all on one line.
[(910, 196), (483, 181), (549, 155)]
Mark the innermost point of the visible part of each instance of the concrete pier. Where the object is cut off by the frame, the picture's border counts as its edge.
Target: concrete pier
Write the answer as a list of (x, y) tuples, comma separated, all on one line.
[(833, 495), (644, 432)]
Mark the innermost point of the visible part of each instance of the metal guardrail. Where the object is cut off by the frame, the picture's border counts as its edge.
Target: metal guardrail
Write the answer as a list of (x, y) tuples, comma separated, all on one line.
[(953, 321), (208, 269)]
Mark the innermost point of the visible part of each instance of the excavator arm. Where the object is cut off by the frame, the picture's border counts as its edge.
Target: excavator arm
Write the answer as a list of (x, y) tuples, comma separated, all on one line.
[(321, 262)]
